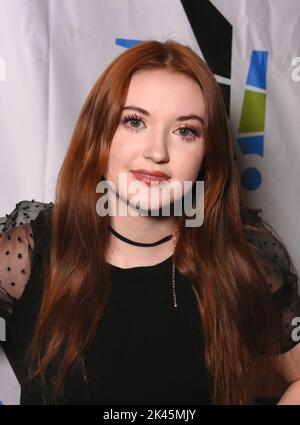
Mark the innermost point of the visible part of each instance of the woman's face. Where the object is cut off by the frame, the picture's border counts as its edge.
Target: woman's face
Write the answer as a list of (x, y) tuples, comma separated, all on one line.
[(161, 137)]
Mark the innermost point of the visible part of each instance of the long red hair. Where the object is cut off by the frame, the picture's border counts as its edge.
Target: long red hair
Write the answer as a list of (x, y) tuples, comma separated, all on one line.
[(230, 288)]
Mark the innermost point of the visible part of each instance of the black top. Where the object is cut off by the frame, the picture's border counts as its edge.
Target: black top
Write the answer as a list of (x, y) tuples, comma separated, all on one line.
[(145, 351)]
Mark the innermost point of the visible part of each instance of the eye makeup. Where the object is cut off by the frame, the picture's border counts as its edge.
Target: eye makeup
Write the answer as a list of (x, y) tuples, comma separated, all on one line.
[(194, 131)]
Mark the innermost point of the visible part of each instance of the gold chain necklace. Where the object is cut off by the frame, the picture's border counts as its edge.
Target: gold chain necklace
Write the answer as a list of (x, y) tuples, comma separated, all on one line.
[(173, 270)]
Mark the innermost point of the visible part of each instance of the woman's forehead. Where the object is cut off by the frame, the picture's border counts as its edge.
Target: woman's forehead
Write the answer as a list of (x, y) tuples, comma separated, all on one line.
[(158, 90)]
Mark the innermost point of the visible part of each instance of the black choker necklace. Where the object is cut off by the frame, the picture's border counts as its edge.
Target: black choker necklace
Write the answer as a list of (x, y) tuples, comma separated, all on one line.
[(153, 244), (165, 239)]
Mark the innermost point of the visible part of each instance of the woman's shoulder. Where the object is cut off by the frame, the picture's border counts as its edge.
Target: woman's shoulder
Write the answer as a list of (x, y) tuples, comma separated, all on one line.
[(24, 212), (266, 242), (22, 238), (277, 267)]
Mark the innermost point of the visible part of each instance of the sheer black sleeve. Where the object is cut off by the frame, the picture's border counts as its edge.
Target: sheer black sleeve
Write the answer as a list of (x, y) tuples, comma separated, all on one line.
[(16, 250), (279, 271)]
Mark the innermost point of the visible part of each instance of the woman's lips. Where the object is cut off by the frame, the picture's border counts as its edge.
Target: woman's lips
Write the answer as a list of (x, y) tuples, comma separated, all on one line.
[(149, 179)]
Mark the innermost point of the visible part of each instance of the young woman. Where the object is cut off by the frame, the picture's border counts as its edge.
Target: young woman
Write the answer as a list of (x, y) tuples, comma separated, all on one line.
[(144, 309)]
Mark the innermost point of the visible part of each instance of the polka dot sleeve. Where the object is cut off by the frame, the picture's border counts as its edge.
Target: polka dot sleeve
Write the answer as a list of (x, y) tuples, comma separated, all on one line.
[(277, 267), (16, 250)]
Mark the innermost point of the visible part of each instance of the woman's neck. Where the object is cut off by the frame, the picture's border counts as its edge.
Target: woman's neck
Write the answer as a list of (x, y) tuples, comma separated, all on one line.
[(145, 229)]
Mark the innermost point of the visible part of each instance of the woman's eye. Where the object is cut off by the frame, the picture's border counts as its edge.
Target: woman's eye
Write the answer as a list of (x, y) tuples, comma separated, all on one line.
[(189, 133), (133, 121)]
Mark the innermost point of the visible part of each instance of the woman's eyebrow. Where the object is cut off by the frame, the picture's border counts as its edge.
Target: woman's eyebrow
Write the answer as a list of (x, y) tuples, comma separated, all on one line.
[(181, 118)]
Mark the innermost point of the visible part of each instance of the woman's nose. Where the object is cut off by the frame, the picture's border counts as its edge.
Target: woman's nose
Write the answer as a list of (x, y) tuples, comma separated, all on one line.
[(156, 148)]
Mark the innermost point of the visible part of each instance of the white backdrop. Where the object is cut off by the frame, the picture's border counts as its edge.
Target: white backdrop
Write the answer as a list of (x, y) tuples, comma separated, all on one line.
[(52, 52)]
